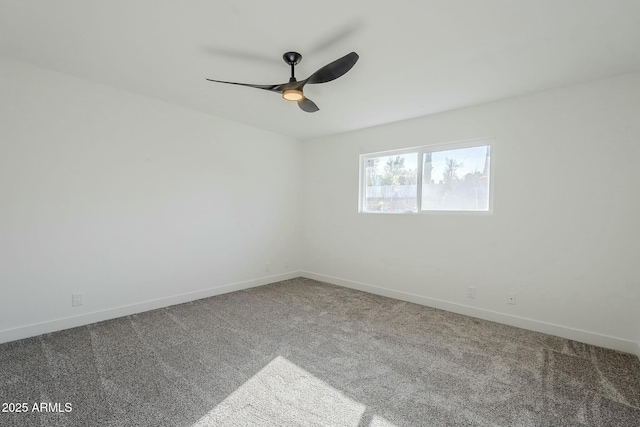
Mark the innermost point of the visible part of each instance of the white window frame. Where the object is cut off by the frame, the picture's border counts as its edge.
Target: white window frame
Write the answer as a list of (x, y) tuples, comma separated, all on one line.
[(421, 151)]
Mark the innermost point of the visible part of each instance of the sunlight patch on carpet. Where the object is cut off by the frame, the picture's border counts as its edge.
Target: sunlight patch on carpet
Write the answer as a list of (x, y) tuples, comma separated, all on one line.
[(282, 393)]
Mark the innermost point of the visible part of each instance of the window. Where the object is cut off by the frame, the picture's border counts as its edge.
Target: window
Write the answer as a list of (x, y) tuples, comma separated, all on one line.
[(452, 177), (391, 183)]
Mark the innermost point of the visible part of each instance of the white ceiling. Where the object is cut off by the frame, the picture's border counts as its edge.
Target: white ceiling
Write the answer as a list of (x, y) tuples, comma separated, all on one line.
[(416, 57)]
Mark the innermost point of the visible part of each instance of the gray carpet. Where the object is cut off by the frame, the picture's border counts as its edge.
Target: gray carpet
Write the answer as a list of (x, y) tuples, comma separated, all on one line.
[(301, 352)]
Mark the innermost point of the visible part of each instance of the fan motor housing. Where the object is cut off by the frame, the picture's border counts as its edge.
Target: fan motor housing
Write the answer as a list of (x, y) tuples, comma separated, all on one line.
[(292, 58)]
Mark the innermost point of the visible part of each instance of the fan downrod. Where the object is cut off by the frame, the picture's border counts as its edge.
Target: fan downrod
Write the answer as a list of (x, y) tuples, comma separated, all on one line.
[(292, 58)]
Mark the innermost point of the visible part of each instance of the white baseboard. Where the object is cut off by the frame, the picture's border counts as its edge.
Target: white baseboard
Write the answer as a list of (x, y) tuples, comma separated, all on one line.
[(614, 343), (596, 339), (112, 313)]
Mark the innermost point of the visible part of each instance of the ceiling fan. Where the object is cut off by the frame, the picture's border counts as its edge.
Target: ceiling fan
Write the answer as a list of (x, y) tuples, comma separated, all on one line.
[(292, 90)]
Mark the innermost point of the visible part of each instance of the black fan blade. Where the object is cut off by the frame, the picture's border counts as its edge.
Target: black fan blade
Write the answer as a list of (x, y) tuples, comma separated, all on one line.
[(337, 36), (243, 55), (333, 70), (308, 105), (272, 88)]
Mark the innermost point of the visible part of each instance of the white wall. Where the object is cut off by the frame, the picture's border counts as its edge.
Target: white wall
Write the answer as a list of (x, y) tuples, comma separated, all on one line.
[(139, 204), (564, 234), (133, 202)]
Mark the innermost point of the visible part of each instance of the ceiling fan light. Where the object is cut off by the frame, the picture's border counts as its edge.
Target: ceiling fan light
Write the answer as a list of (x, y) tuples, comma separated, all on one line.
[(292, 94)]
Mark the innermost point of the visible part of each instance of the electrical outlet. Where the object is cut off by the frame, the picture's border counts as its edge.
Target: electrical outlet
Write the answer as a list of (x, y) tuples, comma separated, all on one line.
[(511, 298), (76, 300), (471, 292)]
